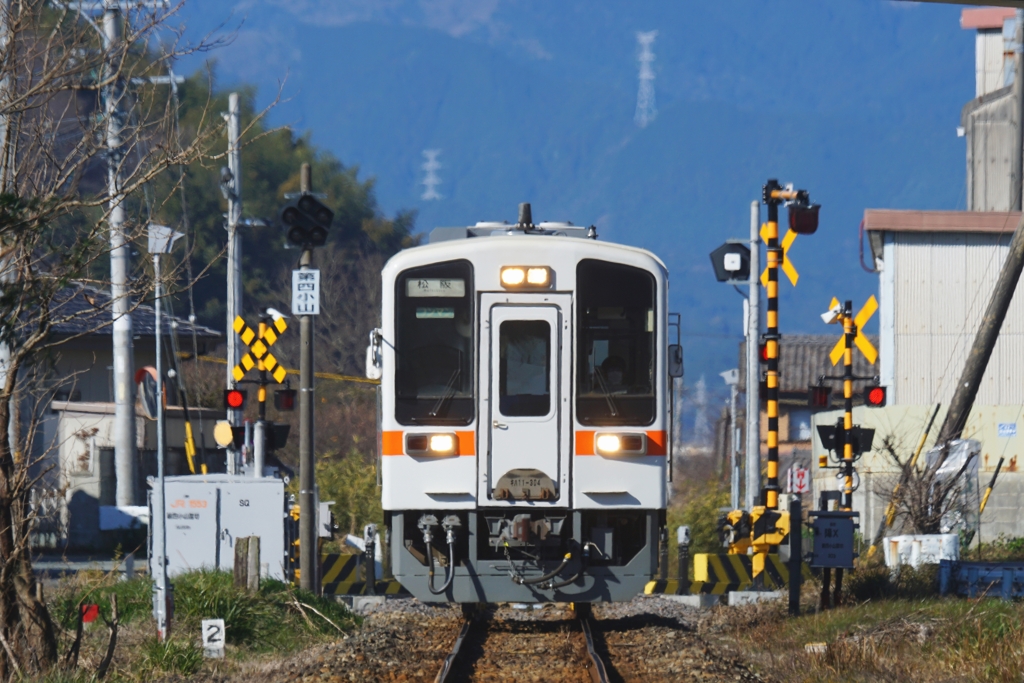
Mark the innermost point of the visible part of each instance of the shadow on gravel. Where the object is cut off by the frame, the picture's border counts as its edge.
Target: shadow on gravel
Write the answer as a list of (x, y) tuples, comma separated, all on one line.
[(639, 621)]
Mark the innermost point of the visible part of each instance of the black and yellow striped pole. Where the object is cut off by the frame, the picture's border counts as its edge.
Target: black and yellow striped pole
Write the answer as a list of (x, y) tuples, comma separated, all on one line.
[(849, 334), (771, 337), (261, 393), (773, 195)]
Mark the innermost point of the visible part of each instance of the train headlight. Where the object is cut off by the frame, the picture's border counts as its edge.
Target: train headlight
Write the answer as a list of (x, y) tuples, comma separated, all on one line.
[(538, 277), (621, 444), (442, 443), (514, 277), (431, 444)]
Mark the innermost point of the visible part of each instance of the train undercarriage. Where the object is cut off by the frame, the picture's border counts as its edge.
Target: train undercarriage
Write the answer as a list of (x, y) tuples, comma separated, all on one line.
[(508, 555)]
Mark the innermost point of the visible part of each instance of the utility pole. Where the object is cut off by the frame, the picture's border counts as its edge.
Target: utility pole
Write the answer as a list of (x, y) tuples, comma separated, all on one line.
[(1017, 170), (161, 240), (307, 476), (988, 332), (231, 186), (753, 361), (124, 361)]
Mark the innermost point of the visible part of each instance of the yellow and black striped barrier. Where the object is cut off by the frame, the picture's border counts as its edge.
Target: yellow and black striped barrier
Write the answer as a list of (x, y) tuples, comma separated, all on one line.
[(739, 569), (340, 575), (674, 587), (721, 574)]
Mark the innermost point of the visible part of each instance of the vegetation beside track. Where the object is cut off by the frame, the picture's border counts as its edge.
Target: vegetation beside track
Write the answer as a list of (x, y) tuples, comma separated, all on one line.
[(905, 634), (277, 620)]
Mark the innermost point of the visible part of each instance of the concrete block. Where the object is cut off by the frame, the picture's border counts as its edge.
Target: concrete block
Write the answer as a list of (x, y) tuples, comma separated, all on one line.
[(750, 597), (362, 604), (701, 601)]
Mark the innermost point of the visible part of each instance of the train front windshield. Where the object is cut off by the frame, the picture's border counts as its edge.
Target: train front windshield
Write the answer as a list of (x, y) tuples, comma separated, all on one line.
[(434, 345), (615, 344)]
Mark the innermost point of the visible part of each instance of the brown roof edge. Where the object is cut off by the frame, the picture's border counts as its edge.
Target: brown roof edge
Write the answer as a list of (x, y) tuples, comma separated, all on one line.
[(896, 220)]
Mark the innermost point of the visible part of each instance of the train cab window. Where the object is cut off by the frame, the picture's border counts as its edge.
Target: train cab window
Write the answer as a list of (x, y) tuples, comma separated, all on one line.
[(524, 375), (615, 344), (434, 345)]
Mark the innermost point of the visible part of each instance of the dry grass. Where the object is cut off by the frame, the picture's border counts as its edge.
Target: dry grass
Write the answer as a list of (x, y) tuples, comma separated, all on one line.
[(930, 639)]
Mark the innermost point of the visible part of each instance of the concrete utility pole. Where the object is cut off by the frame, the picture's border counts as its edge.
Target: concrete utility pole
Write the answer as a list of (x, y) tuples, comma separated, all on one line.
[(124, 361), (988, 332), (753, 331), (161, 241), (308, 564), (1017, 170), (231, 184)]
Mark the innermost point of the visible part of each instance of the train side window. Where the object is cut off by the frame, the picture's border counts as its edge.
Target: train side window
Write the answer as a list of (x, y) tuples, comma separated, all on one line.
[(524, 374), (615, 344), (434, 345)]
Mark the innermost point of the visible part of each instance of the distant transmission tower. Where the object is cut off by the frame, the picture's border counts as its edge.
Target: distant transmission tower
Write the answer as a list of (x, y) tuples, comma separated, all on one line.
[(431, 180), (702, 430), (646, 109)]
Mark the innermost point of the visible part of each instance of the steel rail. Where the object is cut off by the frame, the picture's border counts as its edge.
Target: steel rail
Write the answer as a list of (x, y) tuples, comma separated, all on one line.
[(598, 673), (446, 667)]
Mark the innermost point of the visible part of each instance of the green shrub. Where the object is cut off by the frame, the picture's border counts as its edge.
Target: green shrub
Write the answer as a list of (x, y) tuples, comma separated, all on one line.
[(174, 656), (700, 512), (351, 483)]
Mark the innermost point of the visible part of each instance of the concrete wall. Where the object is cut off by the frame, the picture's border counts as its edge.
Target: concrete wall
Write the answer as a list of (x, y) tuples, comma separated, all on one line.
[(904, 423)]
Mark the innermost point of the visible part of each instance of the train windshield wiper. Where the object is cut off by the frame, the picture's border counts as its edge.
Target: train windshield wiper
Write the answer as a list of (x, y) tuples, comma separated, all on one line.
[(612, 409), (449, 392)]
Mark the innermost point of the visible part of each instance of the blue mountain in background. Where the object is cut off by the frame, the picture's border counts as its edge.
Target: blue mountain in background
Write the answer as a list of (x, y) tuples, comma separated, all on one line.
[(856, 101)]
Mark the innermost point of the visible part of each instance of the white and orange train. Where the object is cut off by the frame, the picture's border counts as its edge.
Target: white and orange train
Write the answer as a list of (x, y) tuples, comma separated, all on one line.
[(524, 414)]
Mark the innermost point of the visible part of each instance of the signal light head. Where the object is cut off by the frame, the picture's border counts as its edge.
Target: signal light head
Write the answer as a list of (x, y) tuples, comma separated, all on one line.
[(307, 221), (284, 399), (803, 218), (234, 399), (875, 397), (762, 352), (818, 396)]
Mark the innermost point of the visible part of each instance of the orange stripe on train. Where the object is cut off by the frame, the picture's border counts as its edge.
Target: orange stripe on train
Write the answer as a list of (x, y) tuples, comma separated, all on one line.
[(393, 442)]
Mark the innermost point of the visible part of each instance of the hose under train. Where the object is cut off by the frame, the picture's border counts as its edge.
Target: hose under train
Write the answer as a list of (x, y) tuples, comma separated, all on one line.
[(449, 574), (547, 577)]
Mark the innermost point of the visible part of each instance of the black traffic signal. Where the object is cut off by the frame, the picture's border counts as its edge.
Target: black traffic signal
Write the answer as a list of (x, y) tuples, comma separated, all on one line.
[(731, 262), (306, 221), (832, 438), (234, 399), (874, 397), (276, 435), (284, 399)]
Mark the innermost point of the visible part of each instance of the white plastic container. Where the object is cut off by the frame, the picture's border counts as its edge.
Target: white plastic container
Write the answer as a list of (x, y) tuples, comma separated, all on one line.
[(915, 550)]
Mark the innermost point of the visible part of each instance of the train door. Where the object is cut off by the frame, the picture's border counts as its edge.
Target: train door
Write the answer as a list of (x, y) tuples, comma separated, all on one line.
[(524, 386)]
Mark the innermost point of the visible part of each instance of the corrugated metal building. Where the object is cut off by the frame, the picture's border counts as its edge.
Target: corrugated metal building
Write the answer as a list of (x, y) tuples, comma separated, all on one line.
[(936, 273)]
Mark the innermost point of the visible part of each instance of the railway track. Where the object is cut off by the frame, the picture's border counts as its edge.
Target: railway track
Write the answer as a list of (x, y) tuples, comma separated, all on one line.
[(556, 646)]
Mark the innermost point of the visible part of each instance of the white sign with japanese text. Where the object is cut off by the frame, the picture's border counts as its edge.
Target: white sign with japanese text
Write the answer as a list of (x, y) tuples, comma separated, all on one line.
[(306, 292)]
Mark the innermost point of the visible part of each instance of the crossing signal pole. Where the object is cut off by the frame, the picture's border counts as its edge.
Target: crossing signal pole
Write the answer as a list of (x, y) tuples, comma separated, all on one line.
[(803, 220)]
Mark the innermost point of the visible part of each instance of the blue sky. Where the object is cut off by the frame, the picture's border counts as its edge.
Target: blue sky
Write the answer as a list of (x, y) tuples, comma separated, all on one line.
[(855, 100)]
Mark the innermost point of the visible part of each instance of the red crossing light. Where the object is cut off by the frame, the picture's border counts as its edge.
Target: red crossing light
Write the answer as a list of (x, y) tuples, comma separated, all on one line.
[(234, 399), (818, 396), (874, 397)]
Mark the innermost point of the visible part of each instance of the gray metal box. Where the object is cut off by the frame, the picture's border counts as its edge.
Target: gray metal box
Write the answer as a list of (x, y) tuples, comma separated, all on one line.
[(207, 513)]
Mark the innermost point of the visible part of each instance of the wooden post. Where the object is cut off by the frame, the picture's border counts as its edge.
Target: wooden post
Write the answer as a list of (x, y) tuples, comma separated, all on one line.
[(241, 562), (253, 565)]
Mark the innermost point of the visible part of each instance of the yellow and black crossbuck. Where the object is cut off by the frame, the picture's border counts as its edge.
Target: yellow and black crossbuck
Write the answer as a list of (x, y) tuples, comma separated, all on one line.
[(259, 348)]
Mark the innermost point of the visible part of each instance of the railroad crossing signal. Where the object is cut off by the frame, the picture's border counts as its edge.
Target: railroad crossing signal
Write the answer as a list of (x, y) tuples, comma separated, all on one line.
[(787, 265), (259, 348), (862, 343)]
